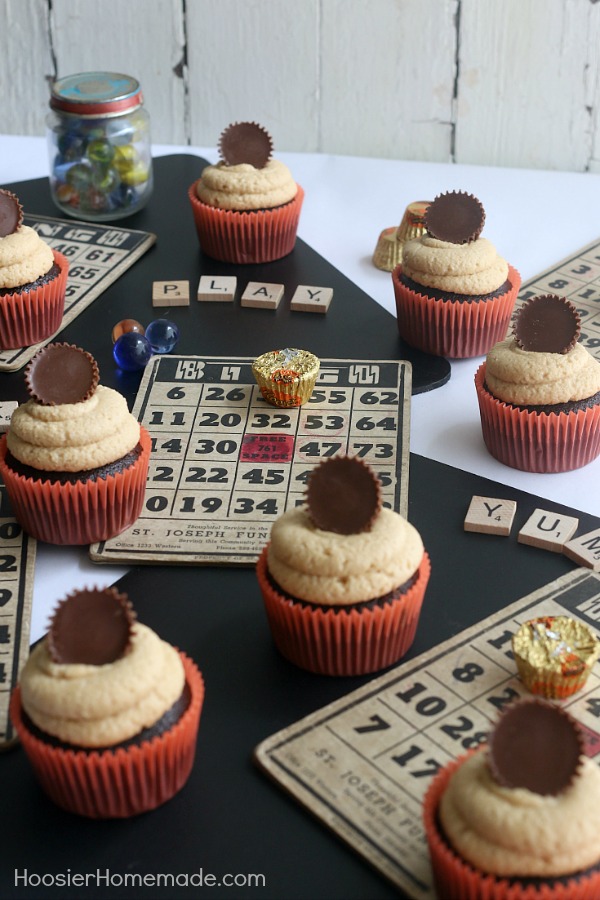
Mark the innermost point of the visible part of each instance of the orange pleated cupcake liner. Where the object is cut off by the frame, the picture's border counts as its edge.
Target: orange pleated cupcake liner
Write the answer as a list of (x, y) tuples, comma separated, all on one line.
[(537, 442), (343, 641), (456, 878), (450, 327), (27, 317), (255, 236), (78, 513), (110, 784)]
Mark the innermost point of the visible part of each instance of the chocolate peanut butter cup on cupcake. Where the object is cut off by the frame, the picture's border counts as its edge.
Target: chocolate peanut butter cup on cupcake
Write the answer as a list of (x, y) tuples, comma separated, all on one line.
[(106, 711), (454, 293), (75, 460), (343, 578)]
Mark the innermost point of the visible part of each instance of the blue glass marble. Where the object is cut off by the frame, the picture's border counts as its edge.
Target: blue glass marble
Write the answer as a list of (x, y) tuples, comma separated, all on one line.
[(132, 351), (163, 335)]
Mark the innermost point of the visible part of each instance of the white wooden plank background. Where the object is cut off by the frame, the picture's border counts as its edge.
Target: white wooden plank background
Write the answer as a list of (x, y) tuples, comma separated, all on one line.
[(498, 82)]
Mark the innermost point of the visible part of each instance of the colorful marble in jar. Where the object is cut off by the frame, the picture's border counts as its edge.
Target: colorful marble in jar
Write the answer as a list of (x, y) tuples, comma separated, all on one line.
[(99, 146)]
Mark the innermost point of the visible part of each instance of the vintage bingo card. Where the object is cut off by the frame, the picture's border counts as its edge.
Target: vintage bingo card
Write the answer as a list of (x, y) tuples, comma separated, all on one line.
[(97, 254), (578, 279), (363, 764), (225, 463), (17, 561)]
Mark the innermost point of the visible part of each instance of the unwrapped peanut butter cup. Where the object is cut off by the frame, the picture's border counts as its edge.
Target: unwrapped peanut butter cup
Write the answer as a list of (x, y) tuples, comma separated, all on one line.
[(245, 142), (537, 746), (343, 495), (455, 217), (61, 373), (92, 626), (11, 213), (547, 324)]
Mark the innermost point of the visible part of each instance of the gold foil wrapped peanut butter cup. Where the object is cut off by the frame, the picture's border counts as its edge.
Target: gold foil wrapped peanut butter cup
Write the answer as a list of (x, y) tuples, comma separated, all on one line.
[(388, 252), (555, 655), (286, 378)]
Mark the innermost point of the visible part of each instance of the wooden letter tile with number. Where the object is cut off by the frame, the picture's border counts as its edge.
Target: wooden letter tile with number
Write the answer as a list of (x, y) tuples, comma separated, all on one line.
[(548, 530), (217, 288), (262, 295), (170, 293), (489, 515), (311, 299), (585, 549)]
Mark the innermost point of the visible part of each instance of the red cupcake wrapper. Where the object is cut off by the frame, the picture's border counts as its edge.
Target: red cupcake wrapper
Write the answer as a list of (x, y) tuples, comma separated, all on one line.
[(537, 442), (343, 642), (458, 879), (110, 784), (450, 327), (78, 513), (255, 236), (27, 317)]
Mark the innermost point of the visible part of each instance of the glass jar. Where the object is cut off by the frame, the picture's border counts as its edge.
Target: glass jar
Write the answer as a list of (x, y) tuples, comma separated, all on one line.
[(99, 146)]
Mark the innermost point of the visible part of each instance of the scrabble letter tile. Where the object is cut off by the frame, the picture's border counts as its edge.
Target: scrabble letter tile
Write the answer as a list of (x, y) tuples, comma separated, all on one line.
[(311, 299), (170, 293), (7, 408), (548, 530), (490, 516), (585, 550), (216, 288), (261, 295)]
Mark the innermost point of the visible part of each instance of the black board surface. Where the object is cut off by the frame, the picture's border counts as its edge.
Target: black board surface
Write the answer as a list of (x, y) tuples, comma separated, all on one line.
[(355, 327), (230, 818)]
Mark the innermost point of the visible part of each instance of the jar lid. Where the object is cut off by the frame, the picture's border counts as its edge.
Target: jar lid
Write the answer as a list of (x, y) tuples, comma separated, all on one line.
[(89, 93)]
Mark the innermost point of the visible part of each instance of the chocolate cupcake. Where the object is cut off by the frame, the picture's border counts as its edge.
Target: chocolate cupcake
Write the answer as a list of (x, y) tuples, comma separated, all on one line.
[(74, 460), (246, 208), (107, 712), (519, 817), (454, 293), (343, 579), (539, 391), (33, 280)]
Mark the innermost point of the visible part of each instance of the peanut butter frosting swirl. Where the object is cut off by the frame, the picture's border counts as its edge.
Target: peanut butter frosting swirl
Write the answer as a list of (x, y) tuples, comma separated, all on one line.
[(341, 569), (516, 832), (474, 268), (526, 377), (243, 187), (73, 437), (98, 706), (24, 257)]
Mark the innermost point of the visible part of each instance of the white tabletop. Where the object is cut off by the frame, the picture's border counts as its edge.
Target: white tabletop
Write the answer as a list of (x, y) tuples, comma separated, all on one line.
[(535, 218)]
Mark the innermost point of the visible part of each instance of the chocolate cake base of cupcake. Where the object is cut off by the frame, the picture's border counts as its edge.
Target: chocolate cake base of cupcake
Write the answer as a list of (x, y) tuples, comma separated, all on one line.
[(555, 409), (246, 236), (455, 325), (555, 438), (34, 311), (377, 602), (52, 273), (124, 781), (435, 294), (81, 509), (112, 468), (354, 639)]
